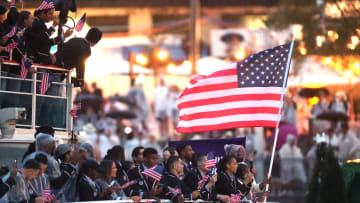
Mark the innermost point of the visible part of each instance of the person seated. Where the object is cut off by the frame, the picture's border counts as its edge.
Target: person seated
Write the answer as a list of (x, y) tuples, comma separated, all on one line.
[(87, 189), (109, 188), (170, 183), (10, 182), (145, 184), (20, 193), (198, 181), (226, 184), (41, 182)]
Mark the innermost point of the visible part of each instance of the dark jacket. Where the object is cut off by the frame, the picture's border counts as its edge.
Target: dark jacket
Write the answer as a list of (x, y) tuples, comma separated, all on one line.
[(86, 190), (73, 54), (5, 187), (145, 183), (170, 183), (225, 185), (122, 178), (191, 181), (39, 42)]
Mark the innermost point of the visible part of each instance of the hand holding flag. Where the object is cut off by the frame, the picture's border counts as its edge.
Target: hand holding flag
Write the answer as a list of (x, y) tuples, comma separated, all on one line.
[(25, 67), (154, 172), (210, 162), (11, 46), (46, 195), (12, 32)]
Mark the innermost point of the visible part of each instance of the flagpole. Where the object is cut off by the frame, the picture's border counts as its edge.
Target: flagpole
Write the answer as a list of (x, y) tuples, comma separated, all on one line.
[(279, 113)]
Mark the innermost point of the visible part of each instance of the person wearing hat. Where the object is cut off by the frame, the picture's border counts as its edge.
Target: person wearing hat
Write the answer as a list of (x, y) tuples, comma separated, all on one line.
[(87, 188), (63, 154), (42, 129)]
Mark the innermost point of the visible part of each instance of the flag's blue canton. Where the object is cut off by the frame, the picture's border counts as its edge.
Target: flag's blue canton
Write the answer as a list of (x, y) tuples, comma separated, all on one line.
[(264, 69)]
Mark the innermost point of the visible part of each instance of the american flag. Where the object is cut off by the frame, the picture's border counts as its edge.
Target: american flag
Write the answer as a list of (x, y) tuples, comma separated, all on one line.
[(80, 24), (25, 67), (12, 32), (173, 190), (11, 46), (205, 178), (235, 198), (210, 162), (76, 111), (45, 82), (46, 4), (127, 184), (46, 195), (154, 172), (243, 94)]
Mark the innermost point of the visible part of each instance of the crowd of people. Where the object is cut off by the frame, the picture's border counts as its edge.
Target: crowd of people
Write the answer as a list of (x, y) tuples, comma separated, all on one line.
[(75, 172)]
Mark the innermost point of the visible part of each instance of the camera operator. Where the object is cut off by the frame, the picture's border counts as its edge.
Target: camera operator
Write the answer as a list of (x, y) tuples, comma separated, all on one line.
[(74, 53)]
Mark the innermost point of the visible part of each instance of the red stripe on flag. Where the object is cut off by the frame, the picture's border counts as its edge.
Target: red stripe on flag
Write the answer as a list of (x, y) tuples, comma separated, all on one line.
[(232, 98), (222, 126), (214, 114)]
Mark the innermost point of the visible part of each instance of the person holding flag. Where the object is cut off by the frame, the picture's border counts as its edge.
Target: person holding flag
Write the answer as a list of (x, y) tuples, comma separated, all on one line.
[(148, 179), (200, 182)]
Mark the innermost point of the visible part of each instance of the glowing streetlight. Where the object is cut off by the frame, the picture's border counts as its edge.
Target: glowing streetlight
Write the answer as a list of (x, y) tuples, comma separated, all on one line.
[(141, 59), (348, 73), (303, 51), (357, 65), (239, 55), (333, 35), (162, 55), (328, 60)]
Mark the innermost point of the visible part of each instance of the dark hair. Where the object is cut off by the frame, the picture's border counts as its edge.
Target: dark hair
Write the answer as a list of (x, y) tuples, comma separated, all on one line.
[(196, 158), (115, 153), (106, 166), (222, 163), (23, 15), (136, 151), (32, 164), (45, 129), (180, 147), (37, 13), (149, 151), (41, 158), (89, 164), (242, 167), (345, 126), (171, 150), (94, 35), (171, 161), (12, 17)]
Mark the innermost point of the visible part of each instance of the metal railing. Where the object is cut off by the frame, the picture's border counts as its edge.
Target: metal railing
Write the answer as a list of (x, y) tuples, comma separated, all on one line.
[(39, 102)]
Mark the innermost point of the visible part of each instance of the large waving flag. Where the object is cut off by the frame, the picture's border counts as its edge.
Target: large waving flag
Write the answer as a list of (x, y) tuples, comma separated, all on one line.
[(154, 172), (243, 94), (80, 24)]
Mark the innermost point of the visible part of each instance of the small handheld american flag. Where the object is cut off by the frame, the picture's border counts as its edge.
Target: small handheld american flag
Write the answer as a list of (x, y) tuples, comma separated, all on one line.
[(25, 67), (46, 4), (127, 184), (12, 32), (46, 195), (80, 24), (11, 46), (173, 190), (75, 112), (154, 172), (46, 81), (210, 162)]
